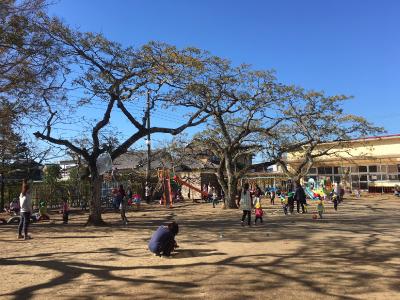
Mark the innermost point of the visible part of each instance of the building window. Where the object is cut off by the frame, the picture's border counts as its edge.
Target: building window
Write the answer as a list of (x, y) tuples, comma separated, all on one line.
[(336, 170), (383, 169), (321, 170), (355, 184), (311, 177), (392, 169), (393, 177), (354, 169), (384, 177), (354, 178), (374, 177), (337, 179), (362, 169), (373, 169), (313, 171), (364, 185), (363, 178)]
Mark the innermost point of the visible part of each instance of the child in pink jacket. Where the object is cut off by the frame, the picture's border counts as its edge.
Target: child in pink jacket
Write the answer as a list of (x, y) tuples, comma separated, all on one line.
[(259, 213)]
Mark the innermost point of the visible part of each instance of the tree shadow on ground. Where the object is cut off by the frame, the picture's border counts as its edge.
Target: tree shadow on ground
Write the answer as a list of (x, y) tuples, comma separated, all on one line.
[(351, 258), (184, 253)]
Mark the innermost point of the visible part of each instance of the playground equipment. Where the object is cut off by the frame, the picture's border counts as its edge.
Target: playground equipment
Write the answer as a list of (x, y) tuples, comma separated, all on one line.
[(168, 182), (165, 178), (179, 181), (324, 189)]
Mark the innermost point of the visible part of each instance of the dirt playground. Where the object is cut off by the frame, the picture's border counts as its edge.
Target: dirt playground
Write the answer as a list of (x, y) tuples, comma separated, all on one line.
[(350, 254)]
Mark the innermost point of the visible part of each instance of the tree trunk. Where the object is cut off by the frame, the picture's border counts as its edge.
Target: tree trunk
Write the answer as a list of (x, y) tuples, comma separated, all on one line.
[(232, 192), (95, 218), (229, 185), (2, 185)]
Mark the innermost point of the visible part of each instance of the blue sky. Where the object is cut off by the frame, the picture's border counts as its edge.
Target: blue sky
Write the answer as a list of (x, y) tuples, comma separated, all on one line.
[(340, 47)]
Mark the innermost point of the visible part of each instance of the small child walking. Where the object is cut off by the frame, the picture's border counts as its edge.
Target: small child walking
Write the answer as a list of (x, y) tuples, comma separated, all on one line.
[(273, 197), (214, 196), (284, 202), (259, 213), (65, 211), (320, 208), (335, 201), (291, 201)]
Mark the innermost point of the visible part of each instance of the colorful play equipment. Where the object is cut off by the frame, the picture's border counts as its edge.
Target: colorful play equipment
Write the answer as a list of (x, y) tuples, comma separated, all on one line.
[(314, 192)]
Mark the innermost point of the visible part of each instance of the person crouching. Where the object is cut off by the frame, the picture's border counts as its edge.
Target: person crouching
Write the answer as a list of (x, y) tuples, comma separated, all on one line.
[(162, 241)]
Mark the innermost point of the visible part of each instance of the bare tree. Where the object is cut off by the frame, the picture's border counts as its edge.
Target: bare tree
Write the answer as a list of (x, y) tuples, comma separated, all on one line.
[(119, 80), (315, 125), (243, 105)]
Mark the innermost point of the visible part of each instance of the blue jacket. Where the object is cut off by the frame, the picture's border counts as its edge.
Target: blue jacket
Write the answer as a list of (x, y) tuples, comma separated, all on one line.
[(160, 238)]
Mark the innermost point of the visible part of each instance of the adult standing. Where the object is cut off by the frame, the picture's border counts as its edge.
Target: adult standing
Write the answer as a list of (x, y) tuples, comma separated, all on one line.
[(300, 197), (25, 203), (245, 203)]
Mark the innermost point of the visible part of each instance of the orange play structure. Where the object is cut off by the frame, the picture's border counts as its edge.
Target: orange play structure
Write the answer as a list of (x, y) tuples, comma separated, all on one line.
[(164, 176), (182, 182)]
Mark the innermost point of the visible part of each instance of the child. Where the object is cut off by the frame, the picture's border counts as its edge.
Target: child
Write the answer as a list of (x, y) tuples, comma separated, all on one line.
[(14, 207), (273, 197), (335, 201), (163, 241), (43, 211), (121, 196), (115, 199), (259, 213), (291, 201), (257, 194), (25, 203), (320, 207), (284, 202), (65, 211), (214, 197), (137, 200)]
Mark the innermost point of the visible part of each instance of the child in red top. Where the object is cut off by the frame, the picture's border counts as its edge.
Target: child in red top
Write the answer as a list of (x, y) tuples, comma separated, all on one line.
[(259, 213)]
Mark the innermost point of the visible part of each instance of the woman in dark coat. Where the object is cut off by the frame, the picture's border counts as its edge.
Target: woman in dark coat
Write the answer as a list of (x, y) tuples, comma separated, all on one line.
[(300, 197)]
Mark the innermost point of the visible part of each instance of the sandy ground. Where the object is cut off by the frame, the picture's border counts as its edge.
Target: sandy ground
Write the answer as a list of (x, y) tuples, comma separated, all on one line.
[(350, 254)]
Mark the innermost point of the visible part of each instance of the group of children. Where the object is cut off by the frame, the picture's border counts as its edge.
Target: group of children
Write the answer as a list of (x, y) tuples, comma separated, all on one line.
[(287, 202)]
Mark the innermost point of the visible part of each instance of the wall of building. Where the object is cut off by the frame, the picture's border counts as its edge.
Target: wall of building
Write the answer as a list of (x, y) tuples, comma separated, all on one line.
[(371, 164)]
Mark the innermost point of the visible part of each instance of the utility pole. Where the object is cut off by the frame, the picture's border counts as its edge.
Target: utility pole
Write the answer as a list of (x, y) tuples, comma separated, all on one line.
[(148, 142)]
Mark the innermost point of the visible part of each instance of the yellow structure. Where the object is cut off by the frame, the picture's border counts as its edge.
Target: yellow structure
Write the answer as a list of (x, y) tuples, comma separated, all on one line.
[(371, 164)]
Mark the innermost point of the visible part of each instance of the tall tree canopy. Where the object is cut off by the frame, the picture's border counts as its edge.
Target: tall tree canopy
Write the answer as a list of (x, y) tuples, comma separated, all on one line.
[(114, 78), (242, 105), (315, 125)]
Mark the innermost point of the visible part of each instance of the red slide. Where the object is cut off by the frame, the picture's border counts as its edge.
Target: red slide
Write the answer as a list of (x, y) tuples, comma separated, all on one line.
[(181, 182)]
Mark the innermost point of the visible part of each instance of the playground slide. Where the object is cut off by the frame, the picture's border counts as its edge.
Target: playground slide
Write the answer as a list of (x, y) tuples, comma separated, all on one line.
[(182, 182), (310, 193)]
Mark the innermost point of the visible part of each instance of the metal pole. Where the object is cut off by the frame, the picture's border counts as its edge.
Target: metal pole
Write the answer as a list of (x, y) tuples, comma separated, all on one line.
[(148, 142)]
